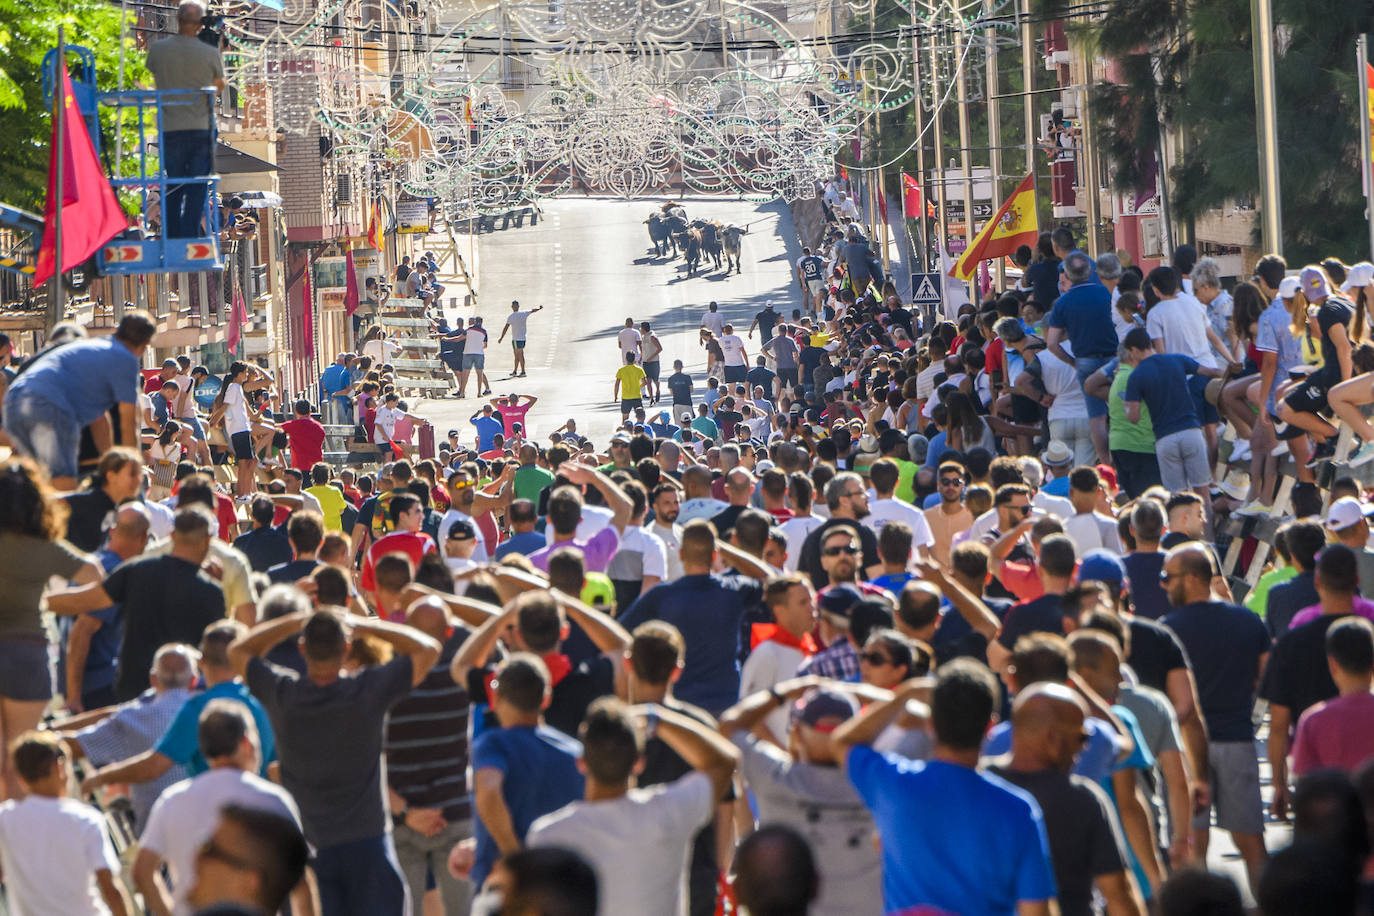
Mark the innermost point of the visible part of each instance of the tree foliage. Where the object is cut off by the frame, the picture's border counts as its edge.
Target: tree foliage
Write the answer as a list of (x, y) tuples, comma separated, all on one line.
[(28, 30), (1188, 67)]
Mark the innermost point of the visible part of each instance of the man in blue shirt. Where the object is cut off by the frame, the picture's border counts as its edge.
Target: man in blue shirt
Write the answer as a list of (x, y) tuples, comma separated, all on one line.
[(74, 385), (1161, 381), (1083, 315), (706, 608), (520, 771), (334, 386), (953, 838), (487, 427)]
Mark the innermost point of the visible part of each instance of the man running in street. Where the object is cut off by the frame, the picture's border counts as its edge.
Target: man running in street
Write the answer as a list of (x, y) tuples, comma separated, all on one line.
[(652, 350), (516, 323)]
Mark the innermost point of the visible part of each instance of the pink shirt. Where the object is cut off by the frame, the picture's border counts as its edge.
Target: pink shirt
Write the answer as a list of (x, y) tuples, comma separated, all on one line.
[(1362, 607), (1338, 733), (513, 415)]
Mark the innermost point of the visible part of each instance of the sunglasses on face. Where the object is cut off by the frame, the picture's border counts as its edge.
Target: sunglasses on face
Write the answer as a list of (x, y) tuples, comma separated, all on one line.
[(875, 658), (951, 481), (1024, 510), (849, 550)]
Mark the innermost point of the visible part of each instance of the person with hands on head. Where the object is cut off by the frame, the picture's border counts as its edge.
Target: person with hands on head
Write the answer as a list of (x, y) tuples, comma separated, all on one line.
[(329, 727), (565, 514), (953, 837), (639, 840), (801, 785)]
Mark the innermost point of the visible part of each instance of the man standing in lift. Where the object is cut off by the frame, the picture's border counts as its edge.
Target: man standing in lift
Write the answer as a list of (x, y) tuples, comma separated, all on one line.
[(184, 61)]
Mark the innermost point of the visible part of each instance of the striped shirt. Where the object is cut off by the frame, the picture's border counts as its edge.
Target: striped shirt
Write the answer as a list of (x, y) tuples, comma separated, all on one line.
[(135, 727), (427, 741)]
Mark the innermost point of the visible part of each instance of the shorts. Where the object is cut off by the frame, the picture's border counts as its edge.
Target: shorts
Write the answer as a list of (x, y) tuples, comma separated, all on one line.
[(1085, 366), (1025, 412), (629, 404), (518, 344), (736, 373), (1206, 410), (1183, 460), (197, 431), (816, 286), (1310, 395), (44, 432), (788, 377), (453, 360), (1233, 772), (243, 446), (25, 669), (1136, 472), (474, 361), (651, 370)]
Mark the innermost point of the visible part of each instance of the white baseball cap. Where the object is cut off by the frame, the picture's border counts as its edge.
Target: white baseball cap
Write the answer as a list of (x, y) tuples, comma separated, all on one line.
[(1345, 512), (1288, 287), (1361, 274)]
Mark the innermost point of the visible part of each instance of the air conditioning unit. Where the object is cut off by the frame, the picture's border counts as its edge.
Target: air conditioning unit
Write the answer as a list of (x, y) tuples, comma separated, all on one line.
[(343, 189)]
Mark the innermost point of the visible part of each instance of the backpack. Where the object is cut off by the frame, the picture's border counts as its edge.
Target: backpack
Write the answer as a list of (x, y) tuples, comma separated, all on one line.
[(381, 515)]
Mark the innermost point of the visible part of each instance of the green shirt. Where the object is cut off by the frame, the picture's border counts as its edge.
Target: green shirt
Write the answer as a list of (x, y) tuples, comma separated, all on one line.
[(1123, 435), (707, 427), (529, 480), (906, 477), (1258, 599)]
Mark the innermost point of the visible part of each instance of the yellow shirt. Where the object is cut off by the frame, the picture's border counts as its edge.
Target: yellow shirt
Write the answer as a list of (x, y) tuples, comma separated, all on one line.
[(630, 377), (332, 502)]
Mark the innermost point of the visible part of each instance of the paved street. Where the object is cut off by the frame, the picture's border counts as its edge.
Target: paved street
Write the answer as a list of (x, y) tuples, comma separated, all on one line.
[(589, 262)]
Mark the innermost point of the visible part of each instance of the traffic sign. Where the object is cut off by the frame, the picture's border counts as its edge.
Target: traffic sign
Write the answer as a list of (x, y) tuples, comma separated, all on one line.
[(925, 289), (199, 251)]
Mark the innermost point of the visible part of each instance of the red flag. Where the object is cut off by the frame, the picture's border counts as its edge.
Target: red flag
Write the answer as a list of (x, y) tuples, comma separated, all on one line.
[(882, 204), (844, 173), (351, 298), (911, 192), (90, 213), (238, 317)]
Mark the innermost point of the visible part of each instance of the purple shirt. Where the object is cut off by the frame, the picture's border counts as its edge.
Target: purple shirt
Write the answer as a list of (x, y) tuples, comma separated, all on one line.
[(597, 550), (1338, 733), (1362, 607)]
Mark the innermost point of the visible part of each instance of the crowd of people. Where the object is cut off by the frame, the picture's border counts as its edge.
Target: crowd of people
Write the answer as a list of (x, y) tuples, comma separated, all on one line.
[(903, 616)]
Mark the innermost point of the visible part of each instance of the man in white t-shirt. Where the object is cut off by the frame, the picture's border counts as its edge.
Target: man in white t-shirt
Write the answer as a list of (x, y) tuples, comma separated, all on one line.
[(884, 507), (382, 350), (187, 813), (517, 323), (640, 560), (779, 648), (1178, 324), (801, 496), (713, 320), (639, 841), (630, 341), (54, 850), (736, 357), (474, 357)]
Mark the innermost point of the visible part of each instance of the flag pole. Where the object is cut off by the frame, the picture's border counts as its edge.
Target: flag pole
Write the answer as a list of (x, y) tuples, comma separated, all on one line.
[(1366, 124), (56, 292)]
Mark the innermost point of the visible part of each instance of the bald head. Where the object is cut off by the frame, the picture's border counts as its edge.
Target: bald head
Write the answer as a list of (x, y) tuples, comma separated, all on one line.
[(429, 616), (1047, 725), (739, 486), (129, 534)]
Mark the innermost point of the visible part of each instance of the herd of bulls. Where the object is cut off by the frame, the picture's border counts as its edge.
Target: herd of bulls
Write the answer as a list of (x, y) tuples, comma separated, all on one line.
[(669, 228)]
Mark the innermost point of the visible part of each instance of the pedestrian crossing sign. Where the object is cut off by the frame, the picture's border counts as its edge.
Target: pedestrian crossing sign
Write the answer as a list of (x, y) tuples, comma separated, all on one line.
[(925, 289)]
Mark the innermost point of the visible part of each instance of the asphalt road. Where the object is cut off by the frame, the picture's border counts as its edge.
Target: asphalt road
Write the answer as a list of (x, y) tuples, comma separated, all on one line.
[(590, 263)]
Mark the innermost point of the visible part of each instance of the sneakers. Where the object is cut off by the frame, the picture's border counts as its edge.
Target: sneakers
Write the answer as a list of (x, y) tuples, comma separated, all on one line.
[(1324, 452), (1280, 450), (1363, 455), (1240, 451), (1253, 507)]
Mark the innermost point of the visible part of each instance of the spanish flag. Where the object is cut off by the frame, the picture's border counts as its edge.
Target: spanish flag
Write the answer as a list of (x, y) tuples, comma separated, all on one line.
[(1014, 225), (374, 228)]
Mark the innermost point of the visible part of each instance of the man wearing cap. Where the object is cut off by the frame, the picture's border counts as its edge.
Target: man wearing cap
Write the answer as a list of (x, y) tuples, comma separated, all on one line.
[(765, 322), (843, 629), (1348, 522), (1058, 460), (1304, 405), (798, 783), (1083, 316)]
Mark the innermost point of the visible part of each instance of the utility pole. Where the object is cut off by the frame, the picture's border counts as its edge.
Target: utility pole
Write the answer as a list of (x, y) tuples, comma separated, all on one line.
[(965, 142), (995, 138), (1028, 82), (942, 215), (919, 246), (1266, 117), (57, 294), (1087, 159), (1366, 167)]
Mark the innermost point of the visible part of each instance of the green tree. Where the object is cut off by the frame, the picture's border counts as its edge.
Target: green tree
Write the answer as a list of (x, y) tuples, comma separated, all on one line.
[(1187, 67), (28, 30)]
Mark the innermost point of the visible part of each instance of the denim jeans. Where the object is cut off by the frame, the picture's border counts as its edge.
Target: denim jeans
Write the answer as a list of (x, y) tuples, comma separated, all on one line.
[(187, 153), (361, 877)]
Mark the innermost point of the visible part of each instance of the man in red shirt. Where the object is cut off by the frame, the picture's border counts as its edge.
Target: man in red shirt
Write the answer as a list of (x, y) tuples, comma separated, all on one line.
[(407, 515), (306, 438)]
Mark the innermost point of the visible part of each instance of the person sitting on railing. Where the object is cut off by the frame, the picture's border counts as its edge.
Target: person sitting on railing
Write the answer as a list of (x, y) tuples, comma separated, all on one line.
[(183, 61)]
